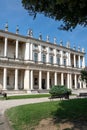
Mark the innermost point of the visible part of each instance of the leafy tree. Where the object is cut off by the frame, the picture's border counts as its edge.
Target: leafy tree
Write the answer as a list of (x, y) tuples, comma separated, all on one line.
[(71, 12), (84, 75)]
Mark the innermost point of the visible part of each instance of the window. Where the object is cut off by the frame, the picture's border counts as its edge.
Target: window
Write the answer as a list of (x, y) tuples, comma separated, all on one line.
[(58, 60), (35, 81), (64, 62), (51, 59), (43, 58), (35, 56)]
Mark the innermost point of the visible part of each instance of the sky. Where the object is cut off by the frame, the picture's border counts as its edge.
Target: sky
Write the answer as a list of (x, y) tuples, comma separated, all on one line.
[(13, 12)]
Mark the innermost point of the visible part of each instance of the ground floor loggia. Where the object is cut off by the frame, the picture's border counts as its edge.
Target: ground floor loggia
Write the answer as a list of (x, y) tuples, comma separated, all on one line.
[(20, 79)]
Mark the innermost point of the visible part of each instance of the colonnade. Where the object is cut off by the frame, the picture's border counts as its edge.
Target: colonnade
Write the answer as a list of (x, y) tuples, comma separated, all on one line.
[(71, 80)]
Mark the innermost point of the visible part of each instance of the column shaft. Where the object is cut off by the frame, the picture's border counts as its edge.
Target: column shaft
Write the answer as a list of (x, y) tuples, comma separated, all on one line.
[(4, 79), (31, 52), (16, 50), (75, 81), (5, 47), (55, 78), (62, 79), (16, 79), (48, 77), (40, 79), (74, 60), (27, 80), (31, 79)]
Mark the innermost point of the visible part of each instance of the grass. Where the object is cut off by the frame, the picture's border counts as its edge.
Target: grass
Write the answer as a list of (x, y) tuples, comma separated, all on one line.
[(27, 116), (28, 96)]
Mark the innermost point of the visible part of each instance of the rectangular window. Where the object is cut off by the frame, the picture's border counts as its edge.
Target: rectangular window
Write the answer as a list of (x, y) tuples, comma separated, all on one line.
[(64, 62), (35, 57), (58, 60), (51, 59), (43, 58)]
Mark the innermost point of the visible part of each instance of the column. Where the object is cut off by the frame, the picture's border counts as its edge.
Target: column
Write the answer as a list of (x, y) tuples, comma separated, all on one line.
[(31, 52), (16, 79), (48, 77), (83, 63), (68, 81), (27, 79), (39, 56), (74, 60), (4, 79), (75, 81), (16, 50), (61, 58), (69, 59), (62, 79), (55, 78), (40, 79), (31, 79), (79, 61), (27, 55), (55, 56), (5, 47)]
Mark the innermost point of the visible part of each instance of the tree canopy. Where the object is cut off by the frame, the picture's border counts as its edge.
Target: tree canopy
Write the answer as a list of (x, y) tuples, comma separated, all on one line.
[(71, 12), (84, 75)]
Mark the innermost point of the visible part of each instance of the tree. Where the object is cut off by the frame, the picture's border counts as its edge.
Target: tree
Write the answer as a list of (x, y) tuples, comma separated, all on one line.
[(71, 12), (84, 75)]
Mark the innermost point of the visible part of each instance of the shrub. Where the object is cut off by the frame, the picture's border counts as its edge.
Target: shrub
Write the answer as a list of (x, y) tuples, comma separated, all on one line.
[(57, 90)]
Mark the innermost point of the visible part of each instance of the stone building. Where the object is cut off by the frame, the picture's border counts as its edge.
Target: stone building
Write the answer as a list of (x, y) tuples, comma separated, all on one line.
[(32, 64)]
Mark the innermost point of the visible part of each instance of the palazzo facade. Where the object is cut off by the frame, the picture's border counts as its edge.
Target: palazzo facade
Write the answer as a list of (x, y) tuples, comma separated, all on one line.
[(31, 64)]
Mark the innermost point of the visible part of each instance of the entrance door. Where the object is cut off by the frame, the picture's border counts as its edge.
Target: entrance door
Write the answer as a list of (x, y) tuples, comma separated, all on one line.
[(43, 83)]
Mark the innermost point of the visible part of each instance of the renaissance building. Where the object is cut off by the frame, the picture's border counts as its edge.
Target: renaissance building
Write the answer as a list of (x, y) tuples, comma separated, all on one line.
[(32, 64)]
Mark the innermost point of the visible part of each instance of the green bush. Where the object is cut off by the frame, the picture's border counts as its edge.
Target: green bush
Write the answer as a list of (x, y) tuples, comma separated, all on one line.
[(57, 90)]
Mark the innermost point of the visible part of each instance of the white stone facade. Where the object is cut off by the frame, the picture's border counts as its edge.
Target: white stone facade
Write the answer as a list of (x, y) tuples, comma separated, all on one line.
[(30, 64)]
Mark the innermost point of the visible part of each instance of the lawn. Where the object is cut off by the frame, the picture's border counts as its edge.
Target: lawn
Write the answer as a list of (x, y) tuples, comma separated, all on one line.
[(27, 96), (25, 117)]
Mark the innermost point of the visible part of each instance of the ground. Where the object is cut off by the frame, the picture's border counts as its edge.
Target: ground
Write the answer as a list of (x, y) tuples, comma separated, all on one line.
[(49, 124)]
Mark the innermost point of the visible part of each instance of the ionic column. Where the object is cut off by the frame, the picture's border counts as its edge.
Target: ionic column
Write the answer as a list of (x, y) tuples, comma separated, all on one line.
[(75, 81), (27, 79), (68, 81), (55, 78), (16, 79), (27, 51), (16, 50), (31, 52), (40, 79), (39, 56), (48, 77), (69, 59), (5, 79), (74, 60), (79, 61), (31, 79), (5, 47), (61, 58), (62, 79), (83, 63)]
